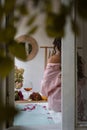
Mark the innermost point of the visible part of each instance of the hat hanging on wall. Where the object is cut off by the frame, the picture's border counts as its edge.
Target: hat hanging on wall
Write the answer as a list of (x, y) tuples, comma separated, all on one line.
[(30, 44)]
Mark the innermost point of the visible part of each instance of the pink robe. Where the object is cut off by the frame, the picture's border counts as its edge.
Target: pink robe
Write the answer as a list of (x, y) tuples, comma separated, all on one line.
[(51, 86)]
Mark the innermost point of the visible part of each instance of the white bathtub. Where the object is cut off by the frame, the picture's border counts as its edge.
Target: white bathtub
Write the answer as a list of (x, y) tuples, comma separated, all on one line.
[(54, 119)]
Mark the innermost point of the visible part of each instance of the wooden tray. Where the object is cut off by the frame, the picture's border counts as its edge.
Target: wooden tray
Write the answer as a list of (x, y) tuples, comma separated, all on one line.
[(30, 101)]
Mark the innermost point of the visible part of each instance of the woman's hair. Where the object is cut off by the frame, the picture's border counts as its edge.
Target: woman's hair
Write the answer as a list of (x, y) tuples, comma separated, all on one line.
[(57, 44)]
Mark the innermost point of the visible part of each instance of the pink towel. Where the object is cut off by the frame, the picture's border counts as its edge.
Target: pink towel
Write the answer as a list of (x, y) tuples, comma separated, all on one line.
[(51, 86)]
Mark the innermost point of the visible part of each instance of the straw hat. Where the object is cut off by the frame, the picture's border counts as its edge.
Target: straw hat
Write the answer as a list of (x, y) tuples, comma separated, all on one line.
[(30, 45)]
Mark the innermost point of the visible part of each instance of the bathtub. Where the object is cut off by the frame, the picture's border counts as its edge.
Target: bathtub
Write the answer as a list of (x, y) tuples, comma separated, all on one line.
[(37, 114)]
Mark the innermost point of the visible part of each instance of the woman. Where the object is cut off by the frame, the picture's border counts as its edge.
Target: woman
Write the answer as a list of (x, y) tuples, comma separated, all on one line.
[(51, 82)]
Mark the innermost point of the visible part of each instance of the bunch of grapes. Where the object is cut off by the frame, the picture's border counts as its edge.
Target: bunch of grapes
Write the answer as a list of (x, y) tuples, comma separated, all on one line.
[(35, 96), (18, 95)]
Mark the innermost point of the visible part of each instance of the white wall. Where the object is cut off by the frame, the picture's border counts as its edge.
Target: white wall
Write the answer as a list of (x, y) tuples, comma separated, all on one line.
[(34, 69)]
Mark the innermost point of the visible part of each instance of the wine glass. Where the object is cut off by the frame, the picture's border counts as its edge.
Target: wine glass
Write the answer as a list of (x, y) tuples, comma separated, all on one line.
[(28, 89)]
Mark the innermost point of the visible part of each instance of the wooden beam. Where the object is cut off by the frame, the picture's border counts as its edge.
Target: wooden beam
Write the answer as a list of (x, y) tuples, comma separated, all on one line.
[(46, 52)]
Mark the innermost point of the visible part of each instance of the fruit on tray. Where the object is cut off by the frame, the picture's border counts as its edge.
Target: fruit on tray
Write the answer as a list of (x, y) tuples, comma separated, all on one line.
[(44, 98), (18, 95), (35, 96), (27, 89)]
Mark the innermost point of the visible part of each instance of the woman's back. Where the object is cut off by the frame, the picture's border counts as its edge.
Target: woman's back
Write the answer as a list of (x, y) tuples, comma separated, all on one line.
[(55, 58)]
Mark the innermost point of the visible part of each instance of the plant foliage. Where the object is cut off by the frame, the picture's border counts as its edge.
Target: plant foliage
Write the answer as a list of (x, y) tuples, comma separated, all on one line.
[(11, 11), (55, 23)]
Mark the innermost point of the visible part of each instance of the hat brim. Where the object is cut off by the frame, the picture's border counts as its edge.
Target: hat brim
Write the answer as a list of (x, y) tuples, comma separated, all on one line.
[(30, 41)]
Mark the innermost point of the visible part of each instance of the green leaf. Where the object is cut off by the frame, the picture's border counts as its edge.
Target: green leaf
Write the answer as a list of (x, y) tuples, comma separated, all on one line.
[(22, 9), (7, 113), (56, 21), (55, 24), (47, 5), (6, 65), (75, 27), (82, 8), (33, 30), (2, 52), (1, 12), (2, 34), (9, 6), (31, 20), (54, 32), (10, 32), (18, 50), (65, 9), (35, 3), (7, 34), (16, 18)]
